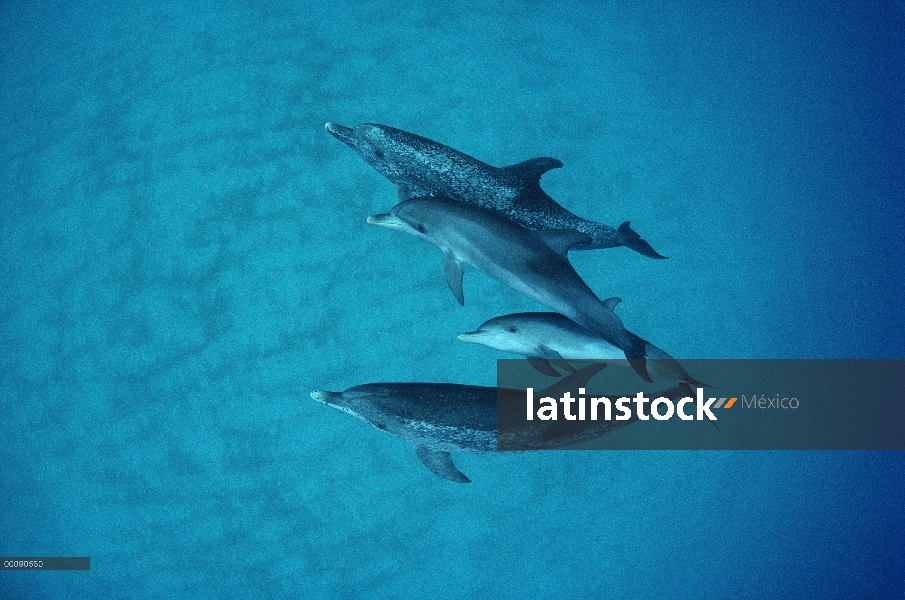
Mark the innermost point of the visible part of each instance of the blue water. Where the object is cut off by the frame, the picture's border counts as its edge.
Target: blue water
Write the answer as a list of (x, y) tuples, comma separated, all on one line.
[(184, 256)]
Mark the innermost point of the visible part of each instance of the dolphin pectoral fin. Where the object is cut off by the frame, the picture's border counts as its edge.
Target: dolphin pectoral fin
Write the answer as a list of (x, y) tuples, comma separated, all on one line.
[(440, 463), (573, 381), (452, 268), (561, 240), (531, 170), (631, 239), (554, 357), (562, 364), (543, 366)]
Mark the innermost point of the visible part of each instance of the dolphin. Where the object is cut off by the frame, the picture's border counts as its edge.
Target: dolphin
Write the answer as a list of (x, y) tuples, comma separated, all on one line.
[(534, 263), (546, 338), (421, 167), (439, 418)]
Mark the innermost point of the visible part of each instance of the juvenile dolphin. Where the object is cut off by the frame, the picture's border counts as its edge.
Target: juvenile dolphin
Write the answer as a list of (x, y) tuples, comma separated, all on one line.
[(545, 337), (534, 263), (439, 418), (421, 167)]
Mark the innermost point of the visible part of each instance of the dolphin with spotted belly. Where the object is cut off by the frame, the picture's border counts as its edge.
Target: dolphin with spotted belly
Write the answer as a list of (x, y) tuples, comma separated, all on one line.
[(546, 338), (421, 167), (440, 418), (534, 263)]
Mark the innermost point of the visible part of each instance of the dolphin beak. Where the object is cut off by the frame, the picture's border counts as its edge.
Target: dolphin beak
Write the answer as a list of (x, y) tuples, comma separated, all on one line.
[(388, 220), (320, 396), (471, 335), (335, 400), (343, 134)]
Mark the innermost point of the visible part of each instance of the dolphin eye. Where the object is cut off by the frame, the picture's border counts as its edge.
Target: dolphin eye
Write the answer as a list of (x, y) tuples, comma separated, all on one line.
[(511, 329), (420, 228)]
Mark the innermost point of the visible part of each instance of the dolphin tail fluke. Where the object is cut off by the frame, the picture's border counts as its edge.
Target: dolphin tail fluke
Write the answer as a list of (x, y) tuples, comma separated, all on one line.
[(667, 366), (693, 381), (636, 353), (441, 464), (640, 366), (631, 239)]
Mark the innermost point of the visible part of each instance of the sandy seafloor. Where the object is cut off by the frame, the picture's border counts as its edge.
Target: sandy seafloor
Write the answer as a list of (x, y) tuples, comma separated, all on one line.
[(184, 256)]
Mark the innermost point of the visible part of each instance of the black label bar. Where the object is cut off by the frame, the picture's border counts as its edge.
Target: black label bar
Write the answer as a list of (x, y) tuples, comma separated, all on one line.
[(45, 563)]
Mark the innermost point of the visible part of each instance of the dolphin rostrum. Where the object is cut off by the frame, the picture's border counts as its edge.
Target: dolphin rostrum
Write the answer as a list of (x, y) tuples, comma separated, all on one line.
[(421, 167), (439, 418), (534, 263), (545, 338)]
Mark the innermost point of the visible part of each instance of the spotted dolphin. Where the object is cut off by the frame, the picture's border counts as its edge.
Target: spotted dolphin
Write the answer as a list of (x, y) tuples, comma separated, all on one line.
[(545, 337), (534, 263), (440, 418), (421, 167)]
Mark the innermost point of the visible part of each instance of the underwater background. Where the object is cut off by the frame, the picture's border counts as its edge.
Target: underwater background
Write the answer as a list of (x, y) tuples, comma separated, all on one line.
[(184, 257)]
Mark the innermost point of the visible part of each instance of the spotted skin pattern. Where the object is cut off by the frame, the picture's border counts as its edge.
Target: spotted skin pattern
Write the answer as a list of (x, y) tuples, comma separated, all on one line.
[(421, 167)]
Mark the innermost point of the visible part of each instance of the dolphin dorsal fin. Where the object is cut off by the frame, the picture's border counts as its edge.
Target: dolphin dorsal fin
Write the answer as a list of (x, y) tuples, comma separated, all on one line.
[(611, 303), (440, 463), (531, 170), (561, 240)]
